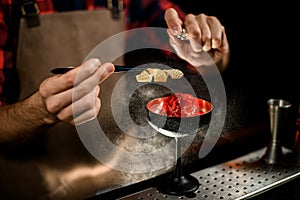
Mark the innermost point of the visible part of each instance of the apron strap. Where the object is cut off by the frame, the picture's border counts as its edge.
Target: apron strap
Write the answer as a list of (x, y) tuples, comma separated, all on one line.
[(115, 6), (30, 10)]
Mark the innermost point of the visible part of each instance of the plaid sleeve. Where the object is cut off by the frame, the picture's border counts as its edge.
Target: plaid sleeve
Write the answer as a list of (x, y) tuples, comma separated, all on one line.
[(4, 6), (8, 40)]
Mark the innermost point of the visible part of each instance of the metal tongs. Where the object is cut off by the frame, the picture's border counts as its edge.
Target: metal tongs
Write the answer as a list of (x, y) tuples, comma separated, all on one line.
[(118, 68)]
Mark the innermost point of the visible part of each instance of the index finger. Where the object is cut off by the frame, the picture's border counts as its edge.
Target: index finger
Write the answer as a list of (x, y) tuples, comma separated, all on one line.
[(173, 21), (59, 83)]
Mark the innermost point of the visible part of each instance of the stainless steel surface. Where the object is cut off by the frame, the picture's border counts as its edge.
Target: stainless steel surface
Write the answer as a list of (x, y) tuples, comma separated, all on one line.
[(241, 178), (278, 110)]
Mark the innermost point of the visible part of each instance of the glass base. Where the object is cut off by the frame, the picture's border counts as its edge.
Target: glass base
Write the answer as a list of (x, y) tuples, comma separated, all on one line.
[(179, 185)]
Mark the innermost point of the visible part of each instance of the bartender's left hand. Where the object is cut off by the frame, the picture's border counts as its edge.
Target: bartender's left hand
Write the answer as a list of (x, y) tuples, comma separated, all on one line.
[(206, 33)]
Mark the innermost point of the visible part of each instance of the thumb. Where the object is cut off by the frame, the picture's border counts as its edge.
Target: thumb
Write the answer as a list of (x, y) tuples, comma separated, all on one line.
[(173, 21), (106, 70)]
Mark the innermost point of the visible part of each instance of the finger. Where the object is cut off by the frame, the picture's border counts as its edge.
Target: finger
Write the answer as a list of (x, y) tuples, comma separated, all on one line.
[(88, 103), (192, 27), (173, 21), (216, 31), (205, 31), (107, 70), (224, 46), (87, 69), (60, 100), (194, 31), (100, 74), (87, 85), (59, 83), (87, 116)]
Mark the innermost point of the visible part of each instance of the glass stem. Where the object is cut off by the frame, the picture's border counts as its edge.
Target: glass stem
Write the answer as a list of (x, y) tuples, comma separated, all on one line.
[(178, 169)]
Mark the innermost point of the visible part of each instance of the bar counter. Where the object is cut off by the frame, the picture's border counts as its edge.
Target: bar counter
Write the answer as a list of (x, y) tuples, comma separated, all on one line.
[(57, 165)]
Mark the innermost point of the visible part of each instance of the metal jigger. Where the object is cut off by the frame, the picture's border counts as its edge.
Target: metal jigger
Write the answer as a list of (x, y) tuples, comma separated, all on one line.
[(278, 114)]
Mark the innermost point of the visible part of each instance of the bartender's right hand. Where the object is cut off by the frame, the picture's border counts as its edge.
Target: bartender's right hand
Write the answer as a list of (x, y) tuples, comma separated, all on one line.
[(73, 97)]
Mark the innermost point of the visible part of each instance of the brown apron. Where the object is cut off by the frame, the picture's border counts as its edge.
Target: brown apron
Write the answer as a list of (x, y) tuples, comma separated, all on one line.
[(62, 39)]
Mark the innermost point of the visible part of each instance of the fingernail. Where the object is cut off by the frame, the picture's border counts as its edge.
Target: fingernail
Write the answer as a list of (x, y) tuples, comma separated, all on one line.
[(109, 68), (95, 62)]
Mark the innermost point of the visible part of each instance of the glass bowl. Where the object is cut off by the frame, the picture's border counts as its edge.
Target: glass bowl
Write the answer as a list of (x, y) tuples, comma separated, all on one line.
[(179, 112)]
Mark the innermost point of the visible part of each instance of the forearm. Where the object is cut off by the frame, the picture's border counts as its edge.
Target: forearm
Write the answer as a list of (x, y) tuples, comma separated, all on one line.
[(18, 121)]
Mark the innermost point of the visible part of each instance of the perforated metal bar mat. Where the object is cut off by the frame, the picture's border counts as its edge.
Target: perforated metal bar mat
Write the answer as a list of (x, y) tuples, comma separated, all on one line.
[(241, 178)]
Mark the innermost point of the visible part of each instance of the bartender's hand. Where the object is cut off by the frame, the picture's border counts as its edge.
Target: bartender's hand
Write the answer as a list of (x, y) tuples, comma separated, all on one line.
[(73, 97), (70, 97), (206, 33)]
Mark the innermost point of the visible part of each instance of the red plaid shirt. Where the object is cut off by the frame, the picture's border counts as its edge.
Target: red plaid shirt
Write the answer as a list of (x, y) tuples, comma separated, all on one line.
[(136, 17)]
